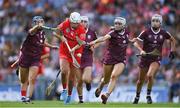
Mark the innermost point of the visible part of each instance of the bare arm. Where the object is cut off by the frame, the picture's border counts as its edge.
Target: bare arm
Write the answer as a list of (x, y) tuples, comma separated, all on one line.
[(45, 56), (173, 43), (59, 35), (75, 47), (172, 54), (49, 45), (94, 46), (101, 39), (133, 40), (137, 44), (34, 29)]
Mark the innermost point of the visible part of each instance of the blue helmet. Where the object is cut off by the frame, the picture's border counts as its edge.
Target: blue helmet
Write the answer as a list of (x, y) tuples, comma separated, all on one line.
[(36, 18)]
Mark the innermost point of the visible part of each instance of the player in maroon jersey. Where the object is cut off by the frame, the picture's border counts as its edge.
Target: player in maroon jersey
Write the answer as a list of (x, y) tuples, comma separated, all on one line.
[(152, 38), (87, 57), (114, 58), (30, 56)]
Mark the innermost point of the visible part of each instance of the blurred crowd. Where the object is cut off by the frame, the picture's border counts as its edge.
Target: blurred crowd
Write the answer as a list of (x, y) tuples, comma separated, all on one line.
[(16, 16)]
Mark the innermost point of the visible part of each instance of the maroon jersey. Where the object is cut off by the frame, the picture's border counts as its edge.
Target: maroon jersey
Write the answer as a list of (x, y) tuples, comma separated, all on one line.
[(31, 50), (116, 49), (152, 40), (34, 44), (87, 55)]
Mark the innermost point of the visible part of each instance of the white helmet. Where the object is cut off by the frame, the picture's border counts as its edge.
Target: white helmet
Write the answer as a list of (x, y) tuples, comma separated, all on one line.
[(75, 17), (84, 18), (157, 16), (121, 20)]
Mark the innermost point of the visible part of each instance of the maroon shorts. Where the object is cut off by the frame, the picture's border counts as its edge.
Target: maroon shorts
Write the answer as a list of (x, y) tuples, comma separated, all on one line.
[(146, 62), (28, 61), (108, 60), (86, 61)]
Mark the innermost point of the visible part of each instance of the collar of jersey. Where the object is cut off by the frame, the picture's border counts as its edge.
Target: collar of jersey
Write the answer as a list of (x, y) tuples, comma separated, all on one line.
[(154, 31)]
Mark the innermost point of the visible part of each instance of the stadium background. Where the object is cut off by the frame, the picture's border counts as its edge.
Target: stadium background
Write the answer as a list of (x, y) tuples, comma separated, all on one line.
[(15, 19)]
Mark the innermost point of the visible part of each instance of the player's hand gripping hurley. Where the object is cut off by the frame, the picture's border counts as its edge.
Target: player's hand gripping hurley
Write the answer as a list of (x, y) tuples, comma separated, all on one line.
[(75, 63), (80, 42), (155, 52)]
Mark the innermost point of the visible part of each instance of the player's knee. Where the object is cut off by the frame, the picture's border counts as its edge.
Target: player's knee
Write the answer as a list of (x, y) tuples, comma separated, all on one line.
[(140, 82), (113, 77), (149, 77), (23, 80), (80, 83), (80, 80), (71, 78), (64, 70), (32, 80), (87, 79), (106, 81)]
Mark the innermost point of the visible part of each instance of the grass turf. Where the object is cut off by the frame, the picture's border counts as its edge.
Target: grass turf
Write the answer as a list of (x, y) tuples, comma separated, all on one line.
[(60, 104)]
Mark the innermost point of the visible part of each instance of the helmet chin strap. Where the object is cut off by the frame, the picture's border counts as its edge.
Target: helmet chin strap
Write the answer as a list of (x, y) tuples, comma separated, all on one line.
[(120, 30), (155, 28)]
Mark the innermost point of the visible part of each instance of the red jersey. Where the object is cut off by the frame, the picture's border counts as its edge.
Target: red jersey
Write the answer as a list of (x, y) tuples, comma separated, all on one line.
[(70, 34), (46, 50)]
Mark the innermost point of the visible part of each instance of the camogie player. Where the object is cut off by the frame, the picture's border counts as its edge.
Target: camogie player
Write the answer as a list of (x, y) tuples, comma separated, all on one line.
[(45, 54), (152, 38), (71, 28), (87, 57), (30, 56), (114, 58)]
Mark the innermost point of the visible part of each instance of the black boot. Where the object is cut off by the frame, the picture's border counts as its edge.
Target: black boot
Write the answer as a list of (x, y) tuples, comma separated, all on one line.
[(88, 86), (136, 100), (97, 92), (149, 100), (104, 98)]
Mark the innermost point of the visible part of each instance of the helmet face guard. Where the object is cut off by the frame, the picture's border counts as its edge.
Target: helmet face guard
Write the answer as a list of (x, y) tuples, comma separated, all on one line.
[(85, 21), (119, 23), (37, 19), (155, 20)]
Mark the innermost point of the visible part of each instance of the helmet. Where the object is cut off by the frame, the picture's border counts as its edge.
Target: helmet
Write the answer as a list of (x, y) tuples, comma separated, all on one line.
[(36, 18), (121, 20), (84, 18), (157, 16), (75, 17)]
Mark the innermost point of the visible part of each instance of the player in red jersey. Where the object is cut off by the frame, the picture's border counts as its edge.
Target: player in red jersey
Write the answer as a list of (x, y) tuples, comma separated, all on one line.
[(152, 38), (71, 28), (30, 57)]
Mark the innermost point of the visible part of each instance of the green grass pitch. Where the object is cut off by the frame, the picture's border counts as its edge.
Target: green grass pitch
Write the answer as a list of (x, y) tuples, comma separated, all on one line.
[(60, 104)]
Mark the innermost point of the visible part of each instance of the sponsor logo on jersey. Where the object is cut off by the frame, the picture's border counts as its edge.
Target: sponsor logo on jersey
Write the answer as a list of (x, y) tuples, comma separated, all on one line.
[(124, 41), (67, 30), (155, 36), (155, 41), (150, 36), (89, 36)]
